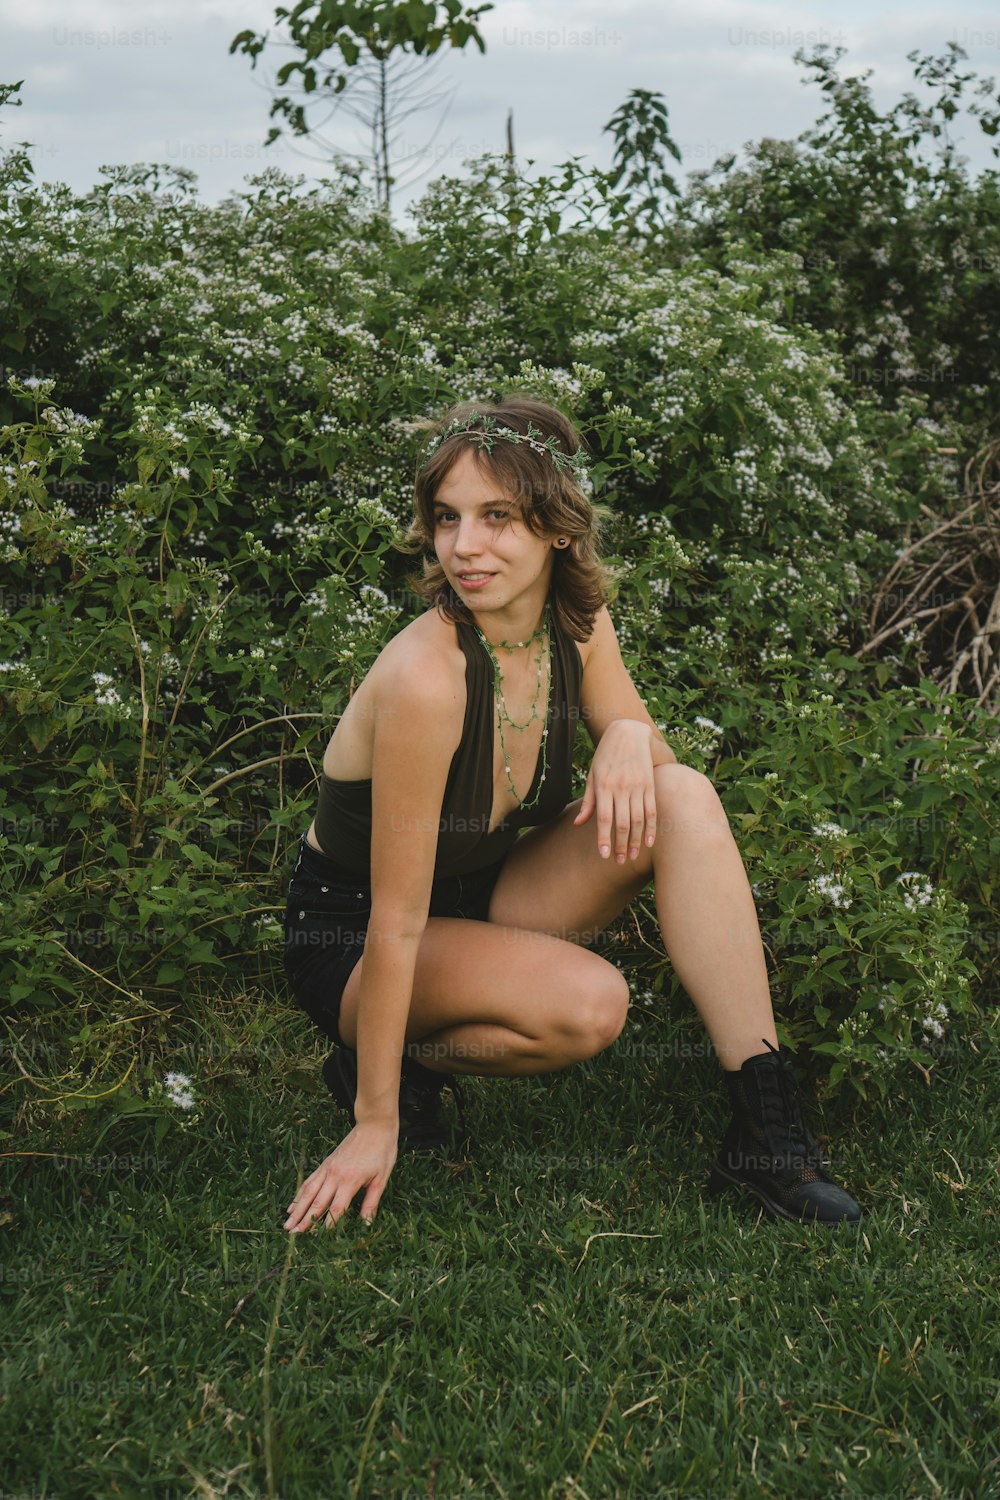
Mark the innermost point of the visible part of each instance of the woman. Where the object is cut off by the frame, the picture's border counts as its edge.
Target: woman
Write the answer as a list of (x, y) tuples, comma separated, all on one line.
[(426, 933)]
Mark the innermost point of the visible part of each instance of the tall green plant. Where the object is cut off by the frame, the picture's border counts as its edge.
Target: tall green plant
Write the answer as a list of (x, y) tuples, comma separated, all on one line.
[(643, 142), (317, 28)]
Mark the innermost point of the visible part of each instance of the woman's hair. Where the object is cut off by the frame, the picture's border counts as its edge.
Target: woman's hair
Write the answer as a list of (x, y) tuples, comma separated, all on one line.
[(548, 496)]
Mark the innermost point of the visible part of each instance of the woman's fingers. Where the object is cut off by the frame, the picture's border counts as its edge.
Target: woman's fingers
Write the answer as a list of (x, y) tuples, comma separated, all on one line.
[(631, 815), (364, 1159), (313, 1198), (331, 1199), (623, 827), (346, 1193), (621, 777), (605, 808), (302, 1217), (613, 822), (302, 1204), (342, 1200), (638, 826), (649, 817), (309, 1210), (373, 1197)]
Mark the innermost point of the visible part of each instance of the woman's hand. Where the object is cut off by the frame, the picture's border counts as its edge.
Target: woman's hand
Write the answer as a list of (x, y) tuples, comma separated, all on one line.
[(620, 789), (364, 1158)]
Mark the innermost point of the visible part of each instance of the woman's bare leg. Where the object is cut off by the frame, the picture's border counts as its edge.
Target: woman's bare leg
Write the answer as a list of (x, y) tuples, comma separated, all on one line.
[(556, 881), (486, 1002), (708, 922)]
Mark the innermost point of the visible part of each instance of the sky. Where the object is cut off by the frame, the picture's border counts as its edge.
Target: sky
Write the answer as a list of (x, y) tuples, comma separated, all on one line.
[(116, 81)]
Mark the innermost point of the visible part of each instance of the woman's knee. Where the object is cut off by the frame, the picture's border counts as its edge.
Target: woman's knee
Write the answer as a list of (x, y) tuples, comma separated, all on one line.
[(597, 1011), (686, 798)]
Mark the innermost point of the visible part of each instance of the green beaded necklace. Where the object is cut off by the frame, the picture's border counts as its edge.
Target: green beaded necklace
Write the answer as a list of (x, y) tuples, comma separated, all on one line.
[(544, 631)]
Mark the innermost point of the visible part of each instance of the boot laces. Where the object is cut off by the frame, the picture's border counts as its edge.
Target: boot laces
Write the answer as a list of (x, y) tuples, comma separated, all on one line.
[(789, 1139)]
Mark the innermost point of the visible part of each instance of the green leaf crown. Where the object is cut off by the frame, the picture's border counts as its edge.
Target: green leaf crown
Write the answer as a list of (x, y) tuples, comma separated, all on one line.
[(485, 430)]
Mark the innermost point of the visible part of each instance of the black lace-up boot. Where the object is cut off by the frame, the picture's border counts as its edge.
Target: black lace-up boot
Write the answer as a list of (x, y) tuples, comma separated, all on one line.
[(768, 1150), (421, 1127)]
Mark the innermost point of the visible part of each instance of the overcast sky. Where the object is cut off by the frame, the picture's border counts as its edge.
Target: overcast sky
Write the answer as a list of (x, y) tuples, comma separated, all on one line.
[(110, 81)]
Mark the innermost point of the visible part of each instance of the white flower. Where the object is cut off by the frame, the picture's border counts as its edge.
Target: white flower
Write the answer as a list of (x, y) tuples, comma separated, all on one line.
[(932, 1021), (375, 512), (829, 831), (829, 889), (178, 1090), (107, 696), (915, 889), (316, 600)]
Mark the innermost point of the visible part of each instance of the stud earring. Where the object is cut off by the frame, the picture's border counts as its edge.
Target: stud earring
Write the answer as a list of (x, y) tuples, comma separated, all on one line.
[(562, 541)]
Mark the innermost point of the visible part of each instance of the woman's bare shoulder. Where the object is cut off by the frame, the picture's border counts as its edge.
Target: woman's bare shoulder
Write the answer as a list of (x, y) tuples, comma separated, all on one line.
[(418, 680), (424, 656), (422, 669)]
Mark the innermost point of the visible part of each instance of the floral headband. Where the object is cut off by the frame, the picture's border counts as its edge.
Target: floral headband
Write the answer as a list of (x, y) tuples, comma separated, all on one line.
[(485, 430)]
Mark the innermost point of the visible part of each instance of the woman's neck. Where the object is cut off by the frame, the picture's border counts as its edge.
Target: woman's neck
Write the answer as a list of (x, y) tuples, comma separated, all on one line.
[(507, 633)]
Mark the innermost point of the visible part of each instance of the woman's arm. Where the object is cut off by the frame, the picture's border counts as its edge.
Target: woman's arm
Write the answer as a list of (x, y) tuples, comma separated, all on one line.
[(608, 696), (628, 747), (412, 748), (418, 718)]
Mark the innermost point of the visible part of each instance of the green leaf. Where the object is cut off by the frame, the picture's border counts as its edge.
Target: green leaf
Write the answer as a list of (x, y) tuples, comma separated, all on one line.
[(169, 973), (418, 18)]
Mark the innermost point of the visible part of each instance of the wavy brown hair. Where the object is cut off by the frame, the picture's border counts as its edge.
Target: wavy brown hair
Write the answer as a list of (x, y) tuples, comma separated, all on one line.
[(549, 500)]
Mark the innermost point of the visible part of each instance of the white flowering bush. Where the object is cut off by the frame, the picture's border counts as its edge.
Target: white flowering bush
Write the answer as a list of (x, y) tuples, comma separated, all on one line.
[(206, 454)]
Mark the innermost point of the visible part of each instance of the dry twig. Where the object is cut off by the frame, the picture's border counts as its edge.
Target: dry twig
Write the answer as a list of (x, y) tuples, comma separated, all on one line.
[(945, 586)]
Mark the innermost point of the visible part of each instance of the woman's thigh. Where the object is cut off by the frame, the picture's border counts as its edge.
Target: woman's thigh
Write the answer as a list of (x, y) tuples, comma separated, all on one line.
[(555, 880), (487, 974)]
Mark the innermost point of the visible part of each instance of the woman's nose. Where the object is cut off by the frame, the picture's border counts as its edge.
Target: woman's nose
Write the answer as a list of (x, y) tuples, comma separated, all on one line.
[(468, 541)]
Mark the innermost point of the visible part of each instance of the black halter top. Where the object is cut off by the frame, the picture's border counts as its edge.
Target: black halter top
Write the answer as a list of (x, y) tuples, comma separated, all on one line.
[(344, 812)]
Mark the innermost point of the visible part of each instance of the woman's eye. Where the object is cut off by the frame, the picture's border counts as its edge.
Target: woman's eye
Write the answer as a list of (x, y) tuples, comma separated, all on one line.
[(498, 513)]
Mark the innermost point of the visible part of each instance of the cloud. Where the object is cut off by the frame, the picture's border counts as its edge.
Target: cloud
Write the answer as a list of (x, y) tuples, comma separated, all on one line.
[(120, 81)]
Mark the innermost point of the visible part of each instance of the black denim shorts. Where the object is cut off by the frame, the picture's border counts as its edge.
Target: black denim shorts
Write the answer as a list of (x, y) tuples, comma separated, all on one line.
[(326, 920)]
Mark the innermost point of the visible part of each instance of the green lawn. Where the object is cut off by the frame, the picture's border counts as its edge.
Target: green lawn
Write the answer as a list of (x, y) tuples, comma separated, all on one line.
[(557, 1313)]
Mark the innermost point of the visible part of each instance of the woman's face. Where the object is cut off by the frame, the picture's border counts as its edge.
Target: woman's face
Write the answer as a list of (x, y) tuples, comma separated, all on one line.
[(491, 559)]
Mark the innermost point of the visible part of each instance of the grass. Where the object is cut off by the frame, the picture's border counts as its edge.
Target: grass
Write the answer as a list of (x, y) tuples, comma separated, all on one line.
[(558, 1312)]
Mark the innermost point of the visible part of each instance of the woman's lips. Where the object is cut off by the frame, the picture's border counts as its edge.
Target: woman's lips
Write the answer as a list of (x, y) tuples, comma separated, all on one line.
[(473, 582)]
